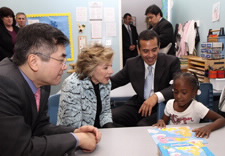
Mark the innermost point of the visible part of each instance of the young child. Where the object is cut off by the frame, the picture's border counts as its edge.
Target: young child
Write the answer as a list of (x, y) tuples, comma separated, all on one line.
[(184, 109)]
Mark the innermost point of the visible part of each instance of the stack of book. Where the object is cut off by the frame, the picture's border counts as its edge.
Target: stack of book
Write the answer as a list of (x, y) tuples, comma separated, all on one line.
[(179, 141)]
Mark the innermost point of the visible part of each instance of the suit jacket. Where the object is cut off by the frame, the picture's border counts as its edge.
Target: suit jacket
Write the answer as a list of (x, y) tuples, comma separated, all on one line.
[(6, 44), (165, 31), (24, 131), (126, 41), (78, 103), (134, 72)]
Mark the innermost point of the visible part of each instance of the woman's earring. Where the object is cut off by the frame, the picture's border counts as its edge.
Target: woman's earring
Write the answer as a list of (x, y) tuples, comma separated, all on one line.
[(199, 92)]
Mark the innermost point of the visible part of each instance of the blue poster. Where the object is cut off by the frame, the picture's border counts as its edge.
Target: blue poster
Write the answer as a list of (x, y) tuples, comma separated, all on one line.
[(60, 21)]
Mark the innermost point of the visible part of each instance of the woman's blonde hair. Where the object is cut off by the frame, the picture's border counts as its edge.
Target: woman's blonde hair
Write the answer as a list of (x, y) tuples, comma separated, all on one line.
[(90, 57)]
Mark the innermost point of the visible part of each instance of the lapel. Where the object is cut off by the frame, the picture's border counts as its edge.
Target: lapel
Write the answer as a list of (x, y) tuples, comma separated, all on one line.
[(32, 103), (159, 25), (28, 102), (159, 70), (140, 75), (125, 30), (30, 111), (44, 97)]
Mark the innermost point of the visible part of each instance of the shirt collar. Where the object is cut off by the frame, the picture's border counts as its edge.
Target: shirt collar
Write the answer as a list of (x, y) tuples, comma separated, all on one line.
[(146, 66), (126, 25), (30, 82), (160, 19)]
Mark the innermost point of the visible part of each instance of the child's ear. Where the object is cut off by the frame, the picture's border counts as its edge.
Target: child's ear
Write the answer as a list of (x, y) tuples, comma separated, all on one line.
[(195, 93)]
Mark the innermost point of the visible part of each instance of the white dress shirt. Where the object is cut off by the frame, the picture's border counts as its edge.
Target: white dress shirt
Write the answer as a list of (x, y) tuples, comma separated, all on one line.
[(159, 94)]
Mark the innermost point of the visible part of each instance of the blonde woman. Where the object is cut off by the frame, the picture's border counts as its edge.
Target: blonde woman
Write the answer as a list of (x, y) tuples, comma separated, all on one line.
[(85, 95)]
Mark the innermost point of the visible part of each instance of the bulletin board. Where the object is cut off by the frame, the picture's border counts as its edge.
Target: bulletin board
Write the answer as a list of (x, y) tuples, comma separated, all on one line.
[(62, 21), (165, 8)]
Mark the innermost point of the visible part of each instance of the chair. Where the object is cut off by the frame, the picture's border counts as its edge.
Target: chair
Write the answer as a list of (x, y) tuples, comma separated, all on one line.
[(53, 104), (160, 111), (206, 97)]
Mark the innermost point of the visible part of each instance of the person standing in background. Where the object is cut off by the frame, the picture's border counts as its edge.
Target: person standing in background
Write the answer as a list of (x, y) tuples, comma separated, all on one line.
[(162, 27), (8, 32), (21, 19), (130, 37)]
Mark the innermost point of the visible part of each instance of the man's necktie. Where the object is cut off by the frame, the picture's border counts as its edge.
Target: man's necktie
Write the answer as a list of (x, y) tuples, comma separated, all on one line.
[(130, 34), (148, 83), (38, 97)]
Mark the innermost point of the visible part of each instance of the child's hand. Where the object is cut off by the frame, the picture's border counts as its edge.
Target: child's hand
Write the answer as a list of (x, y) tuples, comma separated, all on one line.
[(203, 131), (160, 124)]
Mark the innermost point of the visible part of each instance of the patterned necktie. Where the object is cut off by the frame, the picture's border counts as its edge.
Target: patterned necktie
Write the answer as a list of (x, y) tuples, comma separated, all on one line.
[(148, 83), (38, 97), (130, 34)]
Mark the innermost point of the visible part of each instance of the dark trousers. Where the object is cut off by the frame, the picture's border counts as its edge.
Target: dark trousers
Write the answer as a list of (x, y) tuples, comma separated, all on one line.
[(128, 116)]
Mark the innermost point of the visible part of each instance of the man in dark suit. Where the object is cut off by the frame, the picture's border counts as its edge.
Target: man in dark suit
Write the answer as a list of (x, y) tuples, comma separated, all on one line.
[(130, 37), (39, 61), (162, 27), (151, 86)]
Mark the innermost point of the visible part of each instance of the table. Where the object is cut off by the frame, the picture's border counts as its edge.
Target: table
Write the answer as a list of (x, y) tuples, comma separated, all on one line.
[(136, 141)]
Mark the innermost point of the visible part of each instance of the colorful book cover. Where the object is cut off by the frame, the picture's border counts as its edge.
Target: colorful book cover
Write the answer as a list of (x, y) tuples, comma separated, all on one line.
[(174, 134), (184, 149)]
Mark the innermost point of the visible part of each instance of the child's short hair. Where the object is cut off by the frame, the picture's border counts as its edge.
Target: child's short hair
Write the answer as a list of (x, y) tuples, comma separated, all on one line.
[(190, 77)]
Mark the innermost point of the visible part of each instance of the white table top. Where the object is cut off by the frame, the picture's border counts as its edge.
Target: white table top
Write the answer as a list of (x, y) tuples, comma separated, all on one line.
[(136, 141)]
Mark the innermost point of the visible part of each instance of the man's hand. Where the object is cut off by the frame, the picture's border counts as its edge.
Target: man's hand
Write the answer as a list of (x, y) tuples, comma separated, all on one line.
[(90, 129), (132, 47), (88, 136), (146, 107), (87, 141)]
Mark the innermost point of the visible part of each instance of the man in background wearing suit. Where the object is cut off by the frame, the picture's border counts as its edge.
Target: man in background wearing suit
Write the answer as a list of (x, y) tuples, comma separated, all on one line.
[(130, 37), (162, 27), (39, 61), (149, 75)]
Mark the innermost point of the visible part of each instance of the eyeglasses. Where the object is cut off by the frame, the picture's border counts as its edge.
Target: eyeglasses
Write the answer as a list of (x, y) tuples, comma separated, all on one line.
[(62, 61)]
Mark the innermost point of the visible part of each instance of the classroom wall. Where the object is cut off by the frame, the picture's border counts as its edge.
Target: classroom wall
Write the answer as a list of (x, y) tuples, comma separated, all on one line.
[(184, 10), (69, 6)]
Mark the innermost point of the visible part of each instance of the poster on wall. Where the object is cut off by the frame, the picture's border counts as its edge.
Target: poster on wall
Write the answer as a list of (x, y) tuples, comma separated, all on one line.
[(60, 21), (216, 12), (82, 42), (95, 10)]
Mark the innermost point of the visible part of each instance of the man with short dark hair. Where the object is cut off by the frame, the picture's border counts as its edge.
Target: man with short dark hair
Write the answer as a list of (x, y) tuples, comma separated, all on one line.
[(149, 75), (130, 37), (21, 19), (162, 27), (39, 61)]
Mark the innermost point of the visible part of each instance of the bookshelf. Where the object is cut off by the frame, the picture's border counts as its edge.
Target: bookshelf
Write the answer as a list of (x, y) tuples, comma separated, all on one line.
[(200, 67)]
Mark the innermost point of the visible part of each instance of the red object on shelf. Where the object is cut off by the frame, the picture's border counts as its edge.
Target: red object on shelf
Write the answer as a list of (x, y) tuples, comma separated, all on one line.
[(220, 74), (212, 74)]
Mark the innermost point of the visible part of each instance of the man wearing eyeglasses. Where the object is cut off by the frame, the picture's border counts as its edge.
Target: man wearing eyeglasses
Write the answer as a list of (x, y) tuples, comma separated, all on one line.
[(162, 27), (39, 61)]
